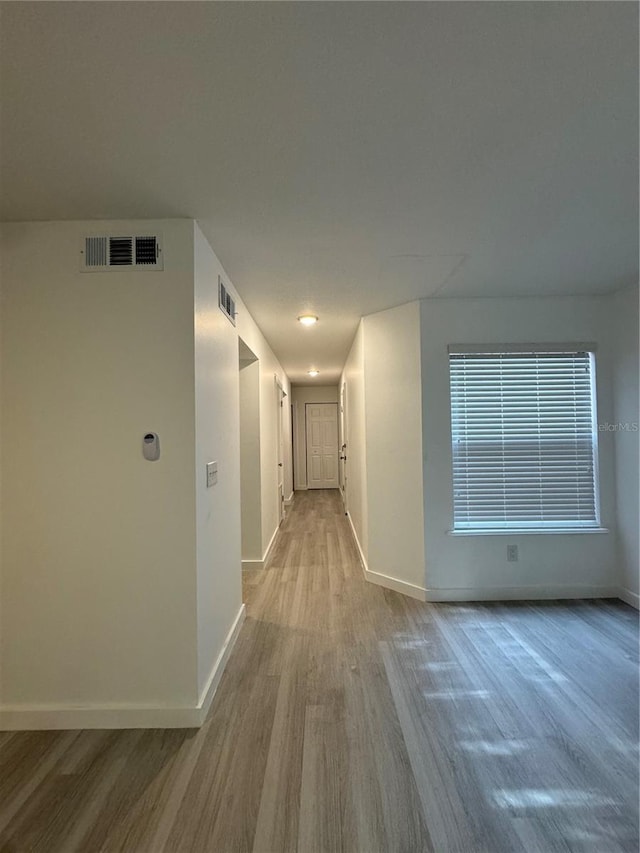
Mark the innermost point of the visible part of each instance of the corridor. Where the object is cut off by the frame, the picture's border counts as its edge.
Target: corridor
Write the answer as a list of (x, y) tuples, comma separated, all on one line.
[(351, 718)]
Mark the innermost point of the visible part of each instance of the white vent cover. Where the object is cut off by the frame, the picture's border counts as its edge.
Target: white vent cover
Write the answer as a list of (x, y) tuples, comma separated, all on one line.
[(141, 252), (226, 302)]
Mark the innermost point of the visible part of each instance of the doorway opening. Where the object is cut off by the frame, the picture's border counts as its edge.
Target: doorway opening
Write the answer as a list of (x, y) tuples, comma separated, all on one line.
[(250, 475), (281, 409), (344, 431)]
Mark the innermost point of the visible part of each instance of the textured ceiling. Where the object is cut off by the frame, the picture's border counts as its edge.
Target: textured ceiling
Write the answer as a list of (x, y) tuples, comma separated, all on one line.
[(342, 158)]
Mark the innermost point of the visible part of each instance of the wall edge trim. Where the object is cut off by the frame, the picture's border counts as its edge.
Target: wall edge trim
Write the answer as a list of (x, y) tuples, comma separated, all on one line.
[(122, 716), (363, 559), (265, 556), (209, 691), (629, 597), (54, 717), (522, 593), (395, 584)]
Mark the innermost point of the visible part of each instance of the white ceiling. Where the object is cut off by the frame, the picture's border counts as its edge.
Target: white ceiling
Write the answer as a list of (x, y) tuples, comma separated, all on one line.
[(342, 158)]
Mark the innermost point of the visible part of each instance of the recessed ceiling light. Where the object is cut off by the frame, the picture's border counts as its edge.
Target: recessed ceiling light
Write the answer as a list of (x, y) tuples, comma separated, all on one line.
[(313, 372), (308, 319)]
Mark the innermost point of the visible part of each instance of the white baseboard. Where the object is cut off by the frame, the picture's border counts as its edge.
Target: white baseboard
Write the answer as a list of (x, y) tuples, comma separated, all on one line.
[(629, 597), (206, 697), (120, 715), (363, 559), (396, 585), (494, 593), (253, 564), (288, 501), (49, 717), (265, 556), (260, 564), (384, 580), (520, 593)]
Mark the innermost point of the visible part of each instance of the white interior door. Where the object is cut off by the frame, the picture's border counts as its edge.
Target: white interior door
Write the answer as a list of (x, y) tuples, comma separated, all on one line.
[(343, 445), (322, 445), (280, 397)]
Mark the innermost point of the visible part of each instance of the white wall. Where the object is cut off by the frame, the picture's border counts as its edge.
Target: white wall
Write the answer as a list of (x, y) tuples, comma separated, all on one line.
[(356, 439), (624, 333), (250, 488), (393, 417), (3, 260), (217, 439), (98, 574), (300, 396), (476, 566), (121, 578)]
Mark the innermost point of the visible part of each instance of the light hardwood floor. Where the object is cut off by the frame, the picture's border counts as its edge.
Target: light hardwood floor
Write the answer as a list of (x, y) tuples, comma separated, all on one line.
[(351, 718)]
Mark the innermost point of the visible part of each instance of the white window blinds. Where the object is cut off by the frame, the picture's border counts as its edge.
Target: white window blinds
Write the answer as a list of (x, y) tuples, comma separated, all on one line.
[(524, 439)]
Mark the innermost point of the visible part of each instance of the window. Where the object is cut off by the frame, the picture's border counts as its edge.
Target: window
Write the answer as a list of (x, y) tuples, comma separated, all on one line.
[(524, 437)]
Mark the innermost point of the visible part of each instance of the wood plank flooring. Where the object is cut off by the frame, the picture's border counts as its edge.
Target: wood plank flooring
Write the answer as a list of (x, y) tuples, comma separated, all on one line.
[(351, 718)]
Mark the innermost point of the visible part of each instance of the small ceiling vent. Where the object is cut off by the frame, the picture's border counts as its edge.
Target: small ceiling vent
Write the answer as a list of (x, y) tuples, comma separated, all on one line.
[(226, 302), (99, 254)]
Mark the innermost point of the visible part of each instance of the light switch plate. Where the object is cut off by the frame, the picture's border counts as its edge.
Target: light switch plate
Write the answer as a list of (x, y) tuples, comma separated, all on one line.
[(212, 474)]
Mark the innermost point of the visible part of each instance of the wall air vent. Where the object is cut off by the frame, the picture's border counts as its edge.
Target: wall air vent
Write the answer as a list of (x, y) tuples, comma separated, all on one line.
[(226, 301), (139, 252), (146, 251), (95, 253), (121, 251)]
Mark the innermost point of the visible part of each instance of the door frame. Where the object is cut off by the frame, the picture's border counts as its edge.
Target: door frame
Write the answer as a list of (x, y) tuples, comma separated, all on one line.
[(280, 395), (344, 442)]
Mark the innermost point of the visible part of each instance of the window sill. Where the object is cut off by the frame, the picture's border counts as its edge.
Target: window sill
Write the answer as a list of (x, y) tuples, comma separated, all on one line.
[(531, 531)]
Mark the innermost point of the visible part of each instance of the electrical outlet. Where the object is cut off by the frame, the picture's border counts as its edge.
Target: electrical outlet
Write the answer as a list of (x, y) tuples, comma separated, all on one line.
[(512, 553), (212, 474)]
